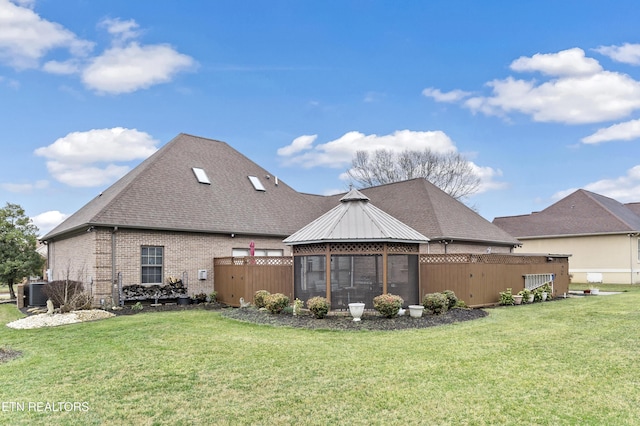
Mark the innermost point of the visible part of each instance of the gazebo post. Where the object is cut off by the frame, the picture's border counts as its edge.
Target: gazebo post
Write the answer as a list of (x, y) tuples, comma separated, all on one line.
[(384, 269), (327, 275)]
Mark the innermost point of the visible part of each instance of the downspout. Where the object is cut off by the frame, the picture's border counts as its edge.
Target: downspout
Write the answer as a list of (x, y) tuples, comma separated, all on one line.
[(114, 290), (631, 255)]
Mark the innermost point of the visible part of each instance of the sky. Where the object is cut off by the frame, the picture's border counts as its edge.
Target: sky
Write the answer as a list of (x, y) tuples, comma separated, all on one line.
[(542, 97)]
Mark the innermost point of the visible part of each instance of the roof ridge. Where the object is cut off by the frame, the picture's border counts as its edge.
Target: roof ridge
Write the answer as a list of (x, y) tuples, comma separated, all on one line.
[(594, 196)]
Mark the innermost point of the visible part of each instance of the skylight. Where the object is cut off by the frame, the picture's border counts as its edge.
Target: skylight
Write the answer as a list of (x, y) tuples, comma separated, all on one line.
[(201, 175), (256, 183)]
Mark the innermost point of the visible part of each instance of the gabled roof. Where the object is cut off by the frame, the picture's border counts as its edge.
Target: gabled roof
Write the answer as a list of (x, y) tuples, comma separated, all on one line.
[(580, 213), (355, 219), (434, 213), (164, 193)]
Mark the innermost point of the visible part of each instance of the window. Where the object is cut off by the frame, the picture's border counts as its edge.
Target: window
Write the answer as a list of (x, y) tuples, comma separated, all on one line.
[(201, 175), (257, 185), (151, 262)]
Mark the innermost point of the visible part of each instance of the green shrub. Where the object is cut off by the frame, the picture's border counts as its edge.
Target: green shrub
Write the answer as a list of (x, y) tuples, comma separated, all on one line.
[(435, 303), (319, 306), (388, 305), (213, 297), (275, 303), (452, 299), (259, 298), (199, 298), (506, 298)]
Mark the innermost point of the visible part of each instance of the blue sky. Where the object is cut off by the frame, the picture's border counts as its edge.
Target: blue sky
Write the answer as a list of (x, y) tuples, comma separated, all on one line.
[(542, 97)]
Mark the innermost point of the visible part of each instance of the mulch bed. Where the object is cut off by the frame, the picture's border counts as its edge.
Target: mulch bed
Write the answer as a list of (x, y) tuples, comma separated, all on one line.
[(343, 321)]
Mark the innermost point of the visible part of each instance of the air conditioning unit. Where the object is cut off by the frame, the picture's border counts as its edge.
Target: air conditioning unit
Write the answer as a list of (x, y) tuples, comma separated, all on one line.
[(202, 274)]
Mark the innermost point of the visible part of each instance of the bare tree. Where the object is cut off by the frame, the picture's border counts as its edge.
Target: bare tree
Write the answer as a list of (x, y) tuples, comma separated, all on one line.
[(451, 172)]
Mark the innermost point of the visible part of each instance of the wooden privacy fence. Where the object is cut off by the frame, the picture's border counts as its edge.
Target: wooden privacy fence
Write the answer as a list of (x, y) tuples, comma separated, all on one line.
[(237, 277), (479, 278)]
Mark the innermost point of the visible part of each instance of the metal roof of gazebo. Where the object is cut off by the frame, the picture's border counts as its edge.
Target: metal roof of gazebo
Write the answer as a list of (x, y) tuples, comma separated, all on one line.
[(355, 219)]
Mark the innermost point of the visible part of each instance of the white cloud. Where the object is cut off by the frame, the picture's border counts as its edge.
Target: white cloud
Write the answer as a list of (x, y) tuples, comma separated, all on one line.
[(627, 53), (339, 152), (125, 66), (301, 143), (134, 67), (86, 159), (576, 90), (23, 188), (624, 189), (69, 67), (564, 63), (121, 30), (488, 178), (25, 37), (48, 220), (452, 96), (573, 100), (618, 132)]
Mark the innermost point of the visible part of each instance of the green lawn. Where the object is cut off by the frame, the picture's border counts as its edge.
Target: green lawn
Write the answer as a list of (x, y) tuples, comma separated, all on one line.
[(571, 362)]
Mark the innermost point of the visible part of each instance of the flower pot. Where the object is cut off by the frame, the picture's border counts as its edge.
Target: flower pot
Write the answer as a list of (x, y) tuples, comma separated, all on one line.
[(517, 299), (356, 310), (184, 300), (544, 296), (415, 311), (531, 298)]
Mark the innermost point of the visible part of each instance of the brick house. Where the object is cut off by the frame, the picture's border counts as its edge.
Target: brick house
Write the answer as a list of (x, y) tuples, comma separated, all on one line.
[(196, 199)]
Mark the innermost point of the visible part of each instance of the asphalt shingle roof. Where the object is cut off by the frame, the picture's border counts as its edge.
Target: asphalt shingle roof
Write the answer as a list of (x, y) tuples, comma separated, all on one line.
[(580, 213), (163, 193)]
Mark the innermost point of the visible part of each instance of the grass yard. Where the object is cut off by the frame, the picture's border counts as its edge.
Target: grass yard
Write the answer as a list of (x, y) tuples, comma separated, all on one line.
[(572, 362)]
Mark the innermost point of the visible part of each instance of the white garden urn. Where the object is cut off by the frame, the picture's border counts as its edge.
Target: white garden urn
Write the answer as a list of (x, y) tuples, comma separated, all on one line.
[(415, 311), (356, 310)]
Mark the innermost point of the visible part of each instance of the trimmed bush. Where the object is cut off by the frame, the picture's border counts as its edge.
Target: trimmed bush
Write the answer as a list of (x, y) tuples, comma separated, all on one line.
[(452, 299), (259, 298), (506, 297), (319, 306), (61, 292), (388, 305), (275, 303), (435, 303)]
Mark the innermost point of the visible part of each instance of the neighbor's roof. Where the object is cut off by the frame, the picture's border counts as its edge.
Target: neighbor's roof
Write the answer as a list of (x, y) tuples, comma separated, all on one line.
[(163, 193), (355, 219), (434, 213), (580, 213)]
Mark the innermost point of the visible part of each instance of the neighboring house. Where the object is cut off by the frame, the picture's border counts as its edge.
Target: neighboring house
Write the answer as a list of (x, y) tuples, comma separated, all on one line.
[(196, 199), (599, 233)]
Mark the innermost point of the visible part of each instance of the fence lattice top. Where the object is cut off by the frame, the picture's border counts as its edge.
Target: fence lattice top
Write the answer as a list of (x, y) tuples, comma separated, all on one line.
[(255, 260), (482, 258)]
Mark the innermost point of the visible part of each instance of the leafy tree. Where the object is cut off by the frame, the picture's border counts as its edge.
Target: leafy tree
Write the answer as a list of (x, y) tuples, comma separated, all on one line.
[(451, 172), (18, 239)]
